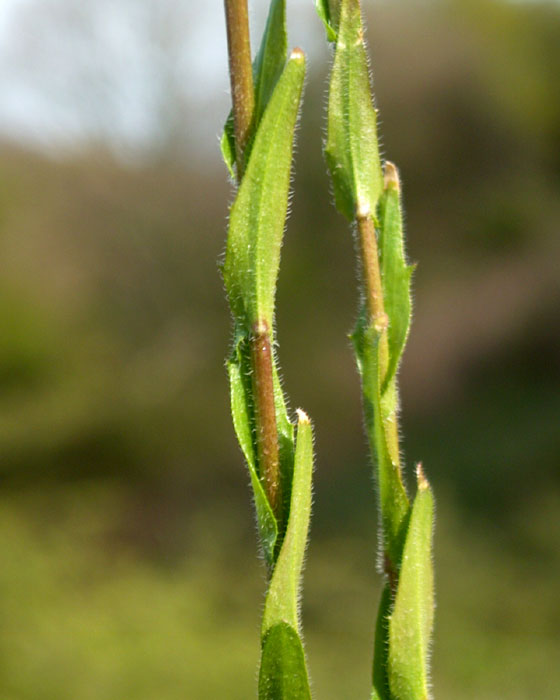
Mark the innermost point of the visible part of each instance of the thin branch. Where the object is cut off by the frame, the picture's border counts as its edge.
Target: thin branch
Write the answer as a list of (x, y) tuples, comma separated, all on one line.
[(372, 283), (265, 415), (241, 75), (371, 275)]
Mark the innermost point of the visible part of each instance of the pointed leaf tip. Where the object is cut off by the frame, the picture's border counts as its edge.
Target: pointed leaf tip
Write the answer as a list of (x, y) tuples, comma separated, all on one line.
[(421, 477), (297, 55), (302, 416), (391, 178)]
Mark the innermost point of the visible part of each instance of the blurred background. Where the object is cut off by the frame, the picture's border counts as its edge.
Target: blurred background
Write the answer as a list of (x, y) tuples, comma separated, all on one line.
[(126, 534)]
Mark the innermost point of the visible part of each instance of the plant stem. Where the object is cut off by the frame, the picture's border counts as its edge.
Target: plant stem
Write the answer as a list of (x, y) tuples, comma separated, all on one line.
[(265, 414), (371, 275), (241, 75), (372, 279)]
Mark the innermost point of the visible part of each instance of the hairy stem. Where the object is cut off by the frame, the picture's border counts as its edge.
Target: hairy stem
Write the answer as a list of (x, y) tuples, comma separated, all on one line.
[(241, 75), (372, 280), (265, 414), (371, 275)]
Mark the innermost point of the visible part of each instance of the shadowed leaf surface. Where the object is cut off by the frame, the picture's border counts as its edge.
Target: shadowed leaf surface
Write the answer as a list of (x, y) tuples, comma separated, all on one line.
[(351, 150), (283, 675)]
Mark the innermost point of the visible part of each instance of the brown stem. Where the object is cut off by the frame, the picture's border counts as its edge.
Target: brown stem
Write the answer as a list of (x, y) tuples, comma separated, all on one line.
[(372, 283), (377, 316), (241, 75), (265, 414), (391, 573), (243, 98)]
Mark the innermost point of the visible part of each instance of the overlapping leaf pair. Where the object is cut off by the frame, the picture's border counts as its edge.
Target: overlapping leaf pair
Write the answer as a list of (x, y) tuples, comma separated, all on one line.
[(256, 228), (370, 198)]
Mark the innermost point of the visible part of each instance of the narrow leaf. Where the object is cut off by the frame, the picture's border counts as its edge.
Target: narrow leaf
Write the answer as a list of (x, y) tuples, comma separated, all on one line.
[(227, 145), (381, 647), (241, 409), (283, 594), (393, 500), (271, 58), (410, 626), (267, 68), (324, 12), (283, 674), (352, 150), (258, 214), (286, 452), (271, 529), (395, 273)]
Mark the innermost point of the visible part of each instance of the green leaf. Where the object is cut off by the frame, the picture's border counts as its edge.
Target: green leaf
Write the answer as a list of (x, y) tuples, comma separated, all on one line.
[(267, 68), (286, 451), (271, 58), (393, 501), (381, 648), (352, 151), (395, 273), (283, 593), (271, 529), (241, 409), (324, 12), (410, 626), (258, 214), (283, 674), (227, 145)]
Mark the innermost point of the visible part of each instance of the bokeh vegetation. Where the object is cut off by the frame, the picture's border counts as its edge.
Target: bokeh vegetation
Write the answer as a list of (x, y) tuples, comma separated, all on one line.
[(125, 535)]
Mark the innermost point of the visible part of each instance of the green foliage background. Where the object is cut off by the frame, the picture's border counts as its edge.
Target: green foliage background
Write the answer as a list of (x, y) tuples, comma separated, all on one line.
[(126, 538)]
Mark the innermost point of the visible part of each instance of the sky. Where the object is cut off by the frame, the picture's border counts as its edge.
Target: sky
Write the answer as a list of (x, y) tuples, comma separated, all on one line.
[(128, 72), (141, 76)]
